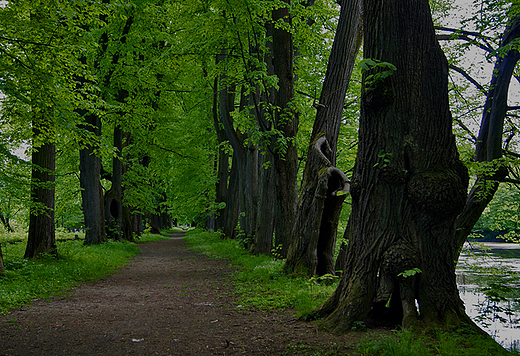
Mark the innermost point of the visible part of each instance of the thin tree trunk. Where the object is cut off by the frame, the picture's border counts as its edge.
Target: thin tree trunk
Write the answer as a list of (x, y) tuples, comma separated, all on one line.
[(6, 223), (319, 205), (2, 268)]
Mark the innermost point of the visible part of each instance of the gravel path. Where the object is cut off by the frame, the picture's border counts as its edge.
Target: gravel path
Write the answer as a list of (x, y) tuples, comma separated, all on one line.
[(167, 301)]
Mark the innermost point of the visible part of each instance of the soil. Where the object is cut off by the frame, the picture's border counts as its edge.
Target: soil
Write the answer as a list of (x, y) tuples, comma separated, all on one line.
[(168, 300)]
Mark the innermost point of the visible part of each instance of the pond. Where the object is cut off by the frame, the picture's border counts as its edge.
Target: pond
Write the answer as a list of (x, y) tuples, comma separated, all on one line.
[(488, 277)]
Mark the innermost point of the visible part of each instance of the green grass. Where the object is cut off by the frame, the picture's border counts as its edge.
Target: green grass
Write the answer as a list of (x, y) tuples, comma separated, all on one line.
[(433, 342), (25, 280), (260, 282)]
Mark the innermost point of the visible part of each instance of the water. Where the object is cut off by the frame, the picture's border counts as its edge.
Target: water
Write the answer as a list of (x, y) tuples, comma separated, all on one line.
[(498, 267)]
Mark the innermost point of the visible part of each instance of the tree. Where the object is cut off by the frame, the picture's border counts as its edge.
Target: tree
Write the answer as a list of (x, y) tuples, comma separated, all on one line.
[(36, 82), (409, 184), (285, 161), (41, 238), (489, 146), (323, 187)]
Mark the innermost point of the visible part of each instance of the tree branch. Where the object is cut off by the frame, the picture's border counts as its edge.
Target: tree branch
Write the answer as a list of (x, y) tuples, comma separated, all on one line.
[(463, 35), (468, 77)]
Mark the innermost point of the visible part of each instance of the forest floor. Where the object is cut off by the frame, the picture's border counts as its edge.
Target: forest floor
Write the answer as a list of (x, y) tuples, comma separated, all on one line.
[(168, 300)]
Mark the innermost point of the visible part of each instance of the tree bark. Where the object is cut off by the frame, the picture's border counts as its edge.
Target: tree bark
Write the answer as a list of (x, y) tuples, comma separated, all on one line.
[(113, 197), (314, 233), (221, 186), (286, 121), (41, 236), (90, 183), (232, 210), (263, 243), (409, 184)]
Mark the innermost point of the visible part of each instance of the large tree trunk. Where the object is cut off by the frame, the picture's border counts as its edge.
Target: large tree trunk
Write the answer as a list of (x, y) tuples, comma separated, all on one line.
[(91, 191), (286, 121), (41, 237), (489, 144), (408, 185), (314, 233)]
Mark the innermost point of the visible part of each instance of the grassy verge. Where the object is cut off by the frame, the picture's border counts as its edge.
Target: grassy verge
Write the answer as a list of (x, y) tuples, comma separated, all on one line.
[(259, 282), (26, 280)]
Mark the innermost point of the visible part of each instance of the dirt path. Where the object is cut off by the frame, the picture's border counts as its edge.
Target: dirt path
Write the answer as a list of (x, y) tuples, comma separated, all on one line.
[(166, 301)]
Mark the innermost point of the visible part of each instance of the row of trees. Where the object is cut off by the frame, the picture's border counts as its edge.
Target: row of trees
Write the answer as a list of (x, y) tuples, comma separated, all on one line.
[(232, 110), (94, 90)]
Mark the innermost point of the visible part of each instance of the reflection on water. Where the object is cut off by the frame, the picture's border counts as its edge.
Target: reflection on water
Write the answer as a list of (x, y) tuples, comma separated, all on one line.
[(498, 317)]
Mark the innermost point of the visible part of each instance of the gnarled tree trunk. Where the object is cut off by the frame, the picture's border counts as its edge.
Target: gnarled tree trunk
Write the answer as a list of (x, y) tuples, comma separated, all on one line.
[(314, 232), (409, 184)]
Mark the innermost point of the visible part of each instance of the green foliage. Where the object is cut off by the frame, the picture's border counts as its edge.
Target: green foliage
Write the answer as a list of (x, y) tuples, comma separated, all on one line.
[(501, 218), (385, 158), (380, 71), (409, 273)]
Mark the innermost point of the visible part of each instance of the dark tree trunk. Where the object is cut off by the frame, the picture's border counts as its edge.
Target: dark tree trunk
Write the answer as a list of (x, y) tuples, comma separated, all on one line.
[(232, 210), (155, 222), (6, 223), (2, 269), (91, 191), (489, 144), (221, 186), (319, 205), (408, 185), (263, 243), (126, 219), (243, 186), (137, 223), (112, 199), (41, 237), (286, 121)]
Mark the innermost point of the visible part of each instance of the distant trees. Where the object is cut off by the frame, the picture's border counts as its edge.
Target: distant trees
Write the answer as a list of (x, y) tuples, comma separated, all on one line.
[(112, 99)]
